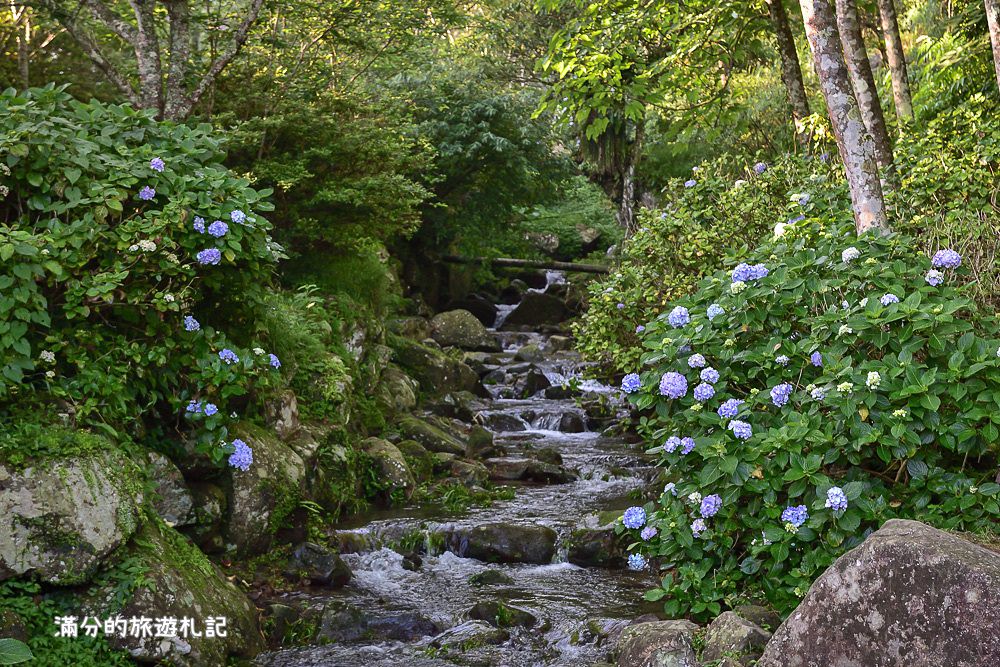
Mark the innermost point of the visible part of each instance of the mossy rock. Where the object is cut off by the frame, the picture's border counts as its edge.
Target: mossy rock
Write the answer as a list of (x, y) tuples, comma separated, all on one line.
[(436, 372), (431, 436), (460, 328), (394, 473), (397, 392), (420, 461)]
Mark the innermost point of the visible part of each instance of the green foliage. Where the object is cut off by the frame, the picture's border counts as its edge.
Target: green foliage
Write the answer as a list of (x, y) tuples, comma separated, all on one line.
[(728, 210), (96, 281), (908, 425), (14, 651), (581, 205), (27, 442)]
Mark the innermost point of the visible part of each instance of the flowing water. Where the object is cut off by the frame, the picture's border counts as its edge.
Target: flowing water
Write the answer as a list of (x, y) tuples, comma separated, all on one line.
[(577, 608)]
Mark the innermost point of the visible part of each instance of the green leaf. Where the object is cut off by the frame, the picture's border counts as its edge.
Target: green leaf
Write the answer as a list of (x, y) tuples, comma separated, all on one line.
[(916, 468), (655, 594), (13, 652)]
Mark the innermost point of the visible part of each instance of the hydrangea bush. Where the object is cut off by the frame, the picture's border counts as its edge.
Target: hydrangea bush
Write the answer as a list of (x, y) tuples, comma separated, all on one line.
[(125, 247), (833, 409)]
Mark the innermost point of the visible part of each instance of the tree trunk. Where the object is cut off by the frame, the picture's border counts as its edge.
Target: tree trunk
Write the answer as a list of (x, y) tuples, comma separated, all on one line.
[(23, 46), (853, 141), (993, 21), (147, 55), (863, 81), (179, 15), (897, 61), (791, 72), (626, 210)]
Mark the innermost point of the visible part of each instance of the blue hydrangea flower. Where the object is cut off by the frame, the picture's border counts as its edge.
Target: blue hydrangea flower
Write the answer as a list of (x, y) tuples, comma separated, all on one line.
[(670, 488), (229, 356), (703, 392), (714, 311), (758, 271), (796, 515), (672, 443), (631, 383), (639, 329), (946, 259), (730, 408), (273, 360), (836, 499), (710, 505), (637, 562), (191, 324), (698, 527), (684, 349), (798, 218), (156, 164), (818, 394), (620, 306), (687, 445), (194, 406), (210, 409), (888, 298), (678, 317), (780, 394), (741, 429), (209, 256), (760, 168), (242, 457), (803, 198), (696, 361), (199, 225), (673, 385), (147, 193), (238, 217), (816, 358), (634, 517), (709, 375), (648, 533), (741, 273), (934, 277), (782, 359), (218, 229), (691, 183)]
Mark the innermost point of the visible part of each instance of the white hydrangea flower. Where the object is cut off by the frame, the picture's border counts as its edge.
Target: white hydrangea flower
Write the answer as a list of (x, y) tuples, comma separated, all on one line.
[(864, 302), (845, 387), (874, 380), (147, 246), (899, 413), (169, 298), (694, 498), (258, 350), (133, 248), (850, 254), (50, 374), (48, 356), (737, 287), (739, 183), (844, 329)]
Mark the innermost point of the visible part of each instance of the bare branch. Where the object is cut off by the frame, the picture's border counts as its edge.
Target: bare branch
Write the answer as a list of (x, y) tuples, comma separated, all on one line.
[(120, 26)]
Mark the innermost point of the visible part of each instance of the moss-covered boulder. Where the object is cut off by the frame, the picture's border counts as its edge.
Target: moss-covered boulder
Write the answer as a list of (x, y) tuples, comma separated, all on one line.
[(397, 392), (503, 543), (460, 328), (394, 473), (431, 436), (171, 498), (419, 460), (597, 547), (60, 518), (261, 499), (537, 309), (436, 372), (163, 575)]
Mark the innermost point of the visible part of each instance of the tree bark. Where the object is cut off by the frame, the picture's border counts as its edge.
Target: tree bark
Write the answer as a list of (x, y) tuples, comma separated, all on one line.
[(863, 81), (897, 61), (853, 141), (179, 15), (626, 210), (791, 71), (993, 21), (147, 55), (22, 25)]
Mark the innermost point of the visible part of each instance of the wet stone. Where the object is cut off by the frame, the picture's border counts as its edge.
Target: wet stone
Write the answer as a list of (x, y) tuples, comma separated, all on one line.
[(318, 565), (502, 615), (730, 634), (504, 543), (490, 578)]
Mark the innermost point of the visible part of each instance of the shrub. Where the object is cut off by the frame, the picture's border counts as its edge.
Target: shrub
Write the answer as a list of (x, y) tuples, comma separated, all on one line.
[(836, 407), (125, 248)]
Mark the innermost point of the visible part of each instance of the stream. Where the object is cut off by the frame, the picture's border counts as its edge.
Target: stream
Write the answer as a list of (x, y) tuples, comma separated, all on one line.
[(415, 610)]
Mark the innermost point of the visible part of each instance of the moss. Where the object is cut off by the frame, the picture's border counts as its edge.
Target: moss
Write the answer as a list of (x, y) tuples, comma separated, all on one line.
[(30, 444)]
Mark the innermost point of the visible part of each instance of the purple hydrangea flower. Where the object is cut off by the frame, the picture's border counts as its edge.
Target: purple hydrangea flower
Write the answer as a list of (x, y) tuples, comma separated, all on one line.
[(704, 392), (156, 164), (888, 298), (218, 229), (634, 517), (639, 329), (730, 408), (691, 183), (242, 457), (946, 259), (620, 306), (631, 383), (816, 359), (637, 562), (796, 515), (672, 443), (824, 157), (780, 394), (741, 429), (818, 394), (678, 317), (836, 499), (714, 311), (745, 272), (803, 198), (273, 360), (758, 271), (238, 216), (209, 256), (670, 488), (194, 406), (648, 533), (229, 356), (760, 168), (673, 385), (709, 375), (147, 193), (191, 324), (210, 409), (698, 527), (199, 225), (798, 218), (782, 359), (934, 277), (710, 505), (687, 445), (696, 361)]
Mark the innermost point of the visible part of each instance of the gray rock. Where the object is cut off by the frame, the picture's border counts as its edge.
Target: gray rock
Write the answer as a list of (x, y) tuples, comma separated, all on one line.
[(397, 391), (536, 309), (171, 499), (436, 372), (395, 473), (768, 619), (343, 622), (460, 328), (501, 615), (559, 343), (597, 547), (510, 469), (470, 473), (456, 405), (546, 242), (500, 422), (504, 543), (589, 237), (490, 578), (730, 634), (413, 327), (469, 634), (209, 505), (481, 444), (572, 422), (531, 383), (282, 414), (514, 292), (529, 353), (908, 596), (319, 565), (59, 519), (482, 308), (657, 644), (432, 437)]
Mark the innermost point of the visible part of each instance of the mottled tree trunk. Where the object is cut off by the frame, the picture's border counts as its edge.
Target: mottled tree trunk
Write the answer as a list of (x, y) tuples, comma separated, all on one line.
[(179, 15), (791, 72), (147, 55), (626, 210), (853, 141), (863, 81), (993, 21), (897, 61), (23, 48)]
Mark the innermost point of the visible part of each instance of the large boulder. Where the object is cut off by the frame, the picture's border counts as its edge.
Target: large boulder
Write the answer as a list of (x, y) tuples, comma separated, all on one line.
[(319, 565), (172, 498), (512, 468), (730, 634), (177, 581), (908, 596), (395, 474), (432, 437), (436, 372), (597, 547), (460, 328), (397, 392), (60, 518), (282, 414), (504, 543), (536, 309), (483, 309), (657, 644)]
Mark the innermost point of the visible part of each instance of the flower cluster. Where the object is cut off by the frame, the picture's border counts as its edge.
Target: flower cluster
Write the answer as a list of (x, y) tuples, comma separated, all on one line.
[(191, 324), (678, 317), (796, 516), (710, 505), (744, 273), (218, 229), (634, 517), (946, 259), (637, 562), (888, 298), (714, 311), (730, 408), (631, 383), (741, 429), (229, 356), (850, 254), (673, 385), (242, 457), (209, 256), (704, 392), (709, 375), (156, 164), (696, 361), (780, 394), (147, 193), (836, 499)]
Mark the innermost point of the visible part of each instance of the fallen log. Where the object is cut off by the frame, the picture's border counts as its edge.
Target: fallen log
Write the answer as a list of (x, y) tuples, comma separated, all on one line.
[(527, 263)]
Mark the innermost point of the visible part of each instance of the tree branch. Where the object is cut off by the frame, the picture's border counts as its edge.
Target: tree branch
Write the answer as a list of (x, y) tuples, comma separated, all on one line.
[(120, 26)]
